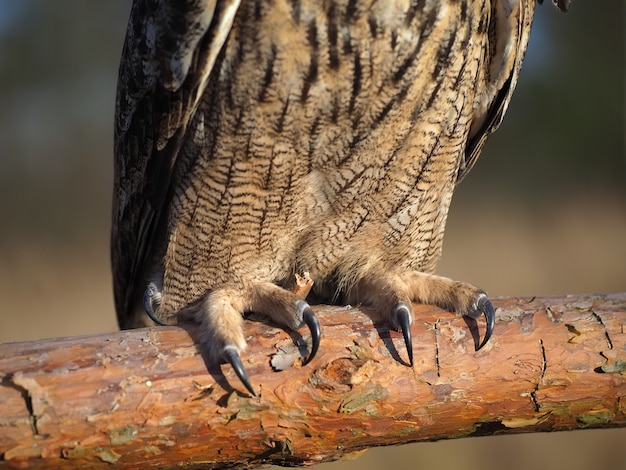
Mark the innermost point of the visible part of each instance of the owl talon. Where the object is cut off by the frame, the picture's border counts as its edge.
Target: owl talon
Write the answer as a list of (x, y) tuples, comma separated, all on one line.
[(152, 296), (485, 307), (403, 318), (231, 354), (314, 326)]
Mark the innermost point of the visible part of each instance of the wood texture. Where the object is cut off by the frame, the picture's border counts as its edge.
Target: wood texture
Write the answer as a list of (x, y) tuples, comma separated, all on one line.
[(146, 397)]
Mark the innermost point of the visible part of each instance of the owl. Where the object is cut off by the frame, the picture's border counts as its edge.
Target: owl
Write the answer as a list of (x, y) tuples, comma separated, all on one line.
[(258, 140)]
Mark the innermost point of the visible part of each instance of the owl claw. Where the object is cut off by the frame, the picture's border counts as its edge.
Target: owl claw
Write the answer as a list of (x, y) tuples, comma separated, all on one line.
[(152, 296), (403, 318), (314, 326), (485, 307), (231, 354)]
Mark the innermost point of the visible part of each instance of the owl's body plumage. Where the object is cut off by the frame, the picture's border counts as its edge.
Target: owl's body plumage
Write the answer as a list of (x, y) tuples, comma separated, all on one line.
[(261, 139)]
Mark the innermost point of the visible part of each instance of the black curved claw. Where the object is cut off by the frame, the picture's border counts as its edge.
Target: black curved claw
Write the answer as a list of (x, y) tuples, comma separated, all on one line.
[(231, 354), (149, 297), (316, 332), (403, 317), (486, 308)]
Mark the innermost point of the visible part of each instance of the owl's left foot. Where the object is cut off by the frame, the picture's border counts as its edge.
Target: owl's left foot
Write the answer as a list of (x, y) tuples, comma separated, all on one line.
[(403, 318), (394, 295)]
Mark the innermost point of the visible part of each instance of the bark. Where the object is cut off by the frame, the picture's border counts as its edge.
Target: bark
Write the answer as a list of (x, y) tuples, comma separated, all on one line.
[(147, 397)]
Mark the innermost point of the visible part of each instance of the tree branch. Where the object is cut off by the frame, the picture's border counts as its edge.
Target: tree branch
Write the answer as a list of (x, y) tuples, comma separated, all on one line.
[(145, 396)]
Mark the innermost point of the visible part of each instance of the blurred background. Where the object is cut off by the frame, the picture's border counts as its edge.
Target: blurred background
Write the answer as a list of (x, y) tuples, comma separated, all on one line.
[(543, 211)]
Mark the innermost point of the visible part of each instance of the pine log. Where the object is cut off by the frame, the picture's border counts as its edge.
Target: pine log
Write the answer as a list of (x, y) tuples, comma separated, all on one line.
[(149, 398)]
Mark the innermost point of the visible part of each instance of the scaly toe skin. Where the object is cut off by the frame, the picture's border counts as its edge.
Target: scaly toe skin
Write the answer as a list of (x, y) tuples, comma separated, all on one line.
[(231, 354), (309, 318), (484, 307), (402, 315)]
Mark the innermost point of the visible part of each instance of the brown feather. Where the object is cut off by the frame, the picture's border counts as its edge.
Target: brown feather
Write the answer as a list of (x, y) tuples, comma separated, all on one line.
[(276, 137)]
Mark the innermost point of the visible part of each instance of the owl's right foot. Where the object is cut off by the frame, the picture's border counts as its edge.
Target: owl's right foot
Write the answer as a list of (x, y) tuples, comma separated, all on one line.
[(220, 315)]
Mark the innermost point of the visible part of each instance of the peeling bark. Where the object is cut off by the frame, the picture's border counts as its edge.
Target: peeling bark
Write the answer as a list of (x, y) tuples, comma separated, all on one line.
[(146, 397)]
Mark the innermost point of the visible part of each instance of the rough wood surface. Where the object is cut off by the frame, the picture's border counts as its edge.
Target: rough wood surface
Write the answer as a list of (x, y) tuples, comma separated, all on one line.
[(145, 397)]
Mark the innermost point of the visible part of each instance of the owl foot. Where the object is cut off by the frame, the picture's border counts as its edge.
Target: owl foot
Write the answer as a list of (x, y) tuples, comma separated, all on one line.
[(219, 314), (402, 317), (393, 295), (230, 353), (303, 315)]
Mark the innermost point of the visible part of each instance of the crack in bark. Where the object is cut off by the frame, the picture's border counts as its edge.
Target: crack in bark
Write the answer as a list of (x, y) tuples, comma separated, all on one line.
[(11, 381), (606, 333), (544, 366), (437, 349)]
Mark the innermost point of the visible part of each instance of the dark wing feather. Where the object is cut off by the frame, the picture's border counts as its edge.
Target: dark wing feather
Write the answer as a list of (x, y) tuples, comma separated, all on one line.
[(169, 52), (508, 37)]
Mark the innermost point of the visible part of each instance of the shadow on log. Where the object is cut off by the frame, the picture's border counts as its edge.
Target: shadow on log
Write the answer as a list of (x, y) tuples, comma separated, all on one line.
[(145, 397)]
